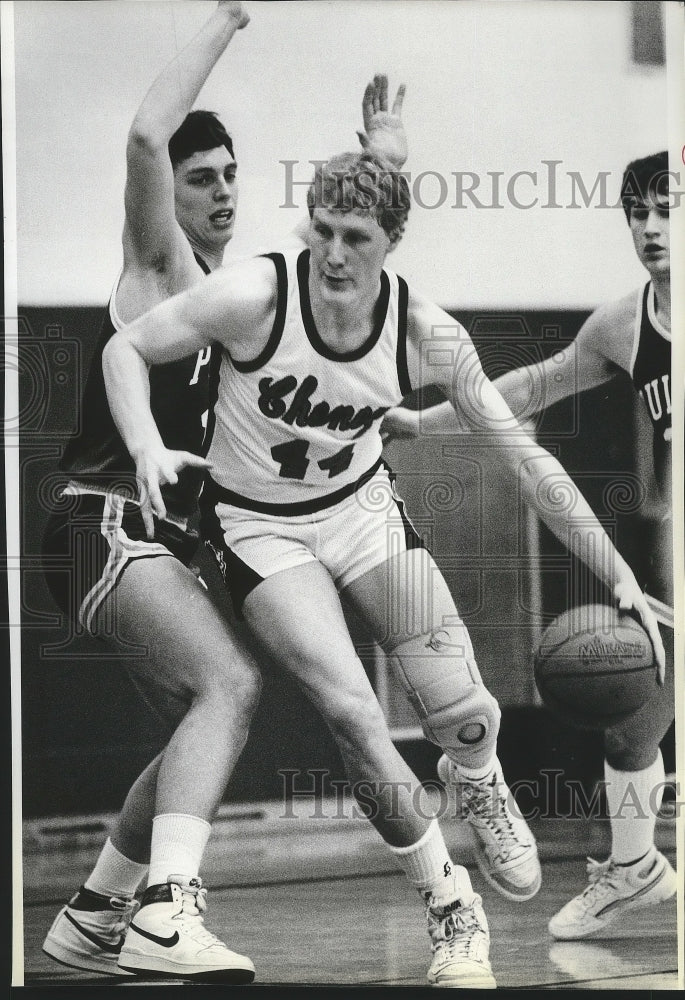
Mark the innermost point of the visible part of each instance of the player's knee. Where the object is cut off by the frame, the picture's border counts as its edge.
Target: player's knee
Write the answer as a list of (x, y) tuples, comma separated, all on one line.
[(626, 753), (443, 683), (354, 718)]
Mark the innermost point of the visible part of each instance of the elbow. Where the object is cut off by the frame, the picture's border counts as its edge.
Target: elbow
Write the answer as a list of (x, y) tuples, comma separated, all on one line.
[(144, 139)]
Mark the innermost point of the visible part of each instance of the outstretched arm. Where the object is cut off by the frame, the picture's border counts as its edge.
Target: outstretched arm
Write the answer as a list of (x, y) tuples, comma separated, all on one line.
[(449, 359), (584, 364), (152, 236)]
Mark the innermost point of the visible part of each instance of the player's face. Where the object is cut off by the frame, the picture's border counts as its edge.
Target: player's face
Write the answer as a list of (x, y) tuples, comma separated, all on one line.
[(206, 192), (348, 250), (649, 228)]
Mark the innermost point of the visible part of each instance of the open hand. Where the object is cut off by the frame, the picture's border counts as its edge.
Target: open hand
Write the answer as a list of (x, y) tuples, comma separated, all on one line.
[(383, 129), (158, 468)]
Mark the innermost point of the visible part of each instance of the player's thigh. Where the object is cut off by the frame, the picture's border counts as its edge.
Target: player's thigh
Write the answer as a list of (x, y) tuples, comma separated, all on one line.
[(297, 617), (403, 597), (182, 642)]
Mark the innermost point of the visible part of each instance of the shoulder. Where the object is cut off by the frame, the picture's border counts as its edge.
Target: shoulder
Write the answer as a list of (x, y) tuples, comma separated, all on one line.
[(426, 319), (609, 331), (142, 288)]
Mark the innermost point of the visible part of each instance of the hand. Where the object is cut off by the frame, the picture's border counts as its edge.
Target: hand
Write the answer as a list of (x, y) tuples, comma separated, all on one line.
[(631, 598), (155, 469), (235, 10), (400, 424), (383, 129)]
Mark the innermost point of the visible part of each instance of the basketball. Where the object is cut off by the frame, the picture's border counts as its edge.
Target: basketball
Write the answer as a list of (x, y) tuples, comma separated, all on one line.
[(594, 666)]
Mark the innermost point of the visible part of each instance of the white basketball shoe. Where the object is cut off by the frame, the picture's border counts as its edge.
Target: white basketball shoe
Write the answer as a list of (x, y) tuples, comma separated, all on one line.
[(460, 941), (612, 890), (504, 848), (168, 937), (88, 933)]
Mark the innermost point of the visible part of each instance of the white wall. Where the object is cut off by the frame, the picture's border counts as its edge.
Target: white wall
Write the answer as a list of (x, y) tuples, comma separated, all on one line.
[(491, 86)]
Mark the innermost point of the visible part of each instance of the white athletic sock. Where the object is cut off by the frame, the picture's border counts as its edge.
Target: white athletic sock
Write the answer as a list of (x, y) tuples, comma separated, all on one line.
[(115, 874), (178, 843), (429, 867), (633, 799), (478, 774)]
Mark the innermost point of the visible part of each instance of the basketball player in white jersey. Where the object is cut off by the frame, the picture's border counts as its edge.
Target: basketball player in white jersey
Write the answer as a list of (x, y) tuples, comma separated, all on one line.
[(626, 338), (299, 509), (180, 201)]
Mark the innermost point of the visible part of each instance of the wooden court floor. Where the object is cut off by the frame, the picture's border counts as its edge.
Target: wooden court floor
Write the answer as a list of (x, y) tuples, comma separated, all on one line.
[(365, 927)]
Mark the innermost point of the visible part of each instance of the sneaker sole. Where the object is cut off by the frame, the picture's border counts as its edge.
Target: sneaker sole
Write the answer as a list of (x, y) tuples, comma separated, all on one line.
[(473, 983), (74, 960), (663, 889), (141, 967)]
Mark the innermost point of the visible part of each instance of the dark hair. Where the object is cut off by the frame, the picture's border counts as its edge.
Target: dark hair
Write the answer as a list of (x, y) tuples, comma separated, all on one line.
[(200, 130), (365, 182), (644, 179)]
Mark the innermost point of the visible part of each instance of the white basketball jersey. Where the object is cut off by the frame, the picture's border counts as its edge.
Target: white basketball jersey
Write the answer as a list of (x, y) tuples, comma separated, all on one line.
[(298, 427)]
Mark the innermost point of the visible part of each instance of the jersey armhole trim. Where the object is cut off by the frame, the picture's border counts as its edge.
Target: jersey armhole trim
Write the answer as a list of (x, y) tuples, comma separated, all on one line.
[(639, 308), (279, 319), (402, 367)]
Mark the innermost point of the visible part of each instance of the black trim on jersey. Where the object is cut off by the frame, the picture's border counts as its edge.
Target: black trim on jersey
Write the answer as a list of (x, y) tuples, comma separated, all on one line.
[(381, 311), (203, 263), (214, 493), (212, 396), (402, 367), (279, 319)]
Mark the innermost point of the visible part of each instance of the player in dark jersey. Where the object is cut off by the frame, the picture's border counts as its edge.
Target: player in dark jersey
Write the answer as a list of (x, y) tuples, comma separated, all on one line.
[(119, 584), (629, 338)]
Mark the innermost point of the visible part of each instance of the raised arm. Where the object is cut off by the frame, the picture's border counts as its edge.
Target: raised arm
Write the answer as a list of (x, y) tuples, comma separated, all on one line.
[(152, 236), (383, 129), (233, 307), (590, 360), (442, 353)]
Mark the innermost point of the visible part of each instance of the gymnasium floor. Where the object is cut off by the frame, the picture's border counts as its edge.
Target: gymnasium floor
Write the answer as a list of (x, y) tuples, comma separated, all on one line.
[(321, 904)]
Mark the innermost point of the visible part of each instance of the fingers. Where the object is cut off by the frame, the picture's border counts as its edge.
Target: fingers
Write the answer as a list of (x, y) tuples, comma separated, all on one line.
[(382, 85), (399, 100), (659, 651), (367, 104), (186, 458)]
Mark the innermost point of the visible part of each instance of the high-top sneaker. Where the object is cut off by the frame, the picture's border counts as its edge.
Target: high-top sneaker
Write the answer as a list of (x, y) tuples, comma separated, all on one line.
[(504, 848), (168, 937), (89, 931), (460, 942)]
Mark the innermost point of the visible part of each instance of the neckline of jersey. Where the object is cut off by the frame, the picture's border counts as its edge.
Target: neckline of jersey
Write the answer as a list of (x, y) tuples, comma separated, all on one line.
[(313, 334)]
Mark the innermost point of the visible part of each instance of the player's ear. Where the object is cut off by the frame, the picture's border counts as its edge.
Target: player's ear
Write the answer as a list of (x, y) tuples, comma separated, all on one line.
[(394, 239)]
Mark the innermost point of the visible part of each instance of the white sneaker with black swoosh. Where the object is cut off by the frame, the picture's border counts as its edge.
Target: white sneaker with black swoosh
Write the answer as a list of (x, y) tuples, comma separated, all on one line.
[(168, 937), (88, 933)]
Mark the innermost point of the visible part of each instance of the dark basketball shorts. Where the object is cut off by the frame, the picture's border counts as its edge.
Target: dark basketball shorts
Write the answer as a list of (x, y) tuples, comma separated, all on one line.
[(91, 539), (348, 538)]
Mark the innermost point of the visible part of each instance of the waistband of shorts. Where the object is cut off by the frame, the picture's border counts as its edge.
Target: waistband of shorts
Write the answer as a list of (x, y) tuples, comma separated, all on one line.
[(74, 488), (213, 493)]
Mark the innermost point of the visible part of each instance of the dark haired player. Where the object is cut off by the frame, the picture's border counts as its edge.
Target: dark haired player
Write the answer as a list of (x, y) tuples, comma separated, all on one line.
[(180, 202), (627, 338), (300, 512)]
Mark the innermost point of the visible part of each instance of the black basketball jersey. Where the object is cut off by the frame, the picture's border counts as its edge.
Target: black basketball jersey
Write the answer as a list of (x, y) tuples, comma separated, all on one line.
[(179, 399), (651, 373)]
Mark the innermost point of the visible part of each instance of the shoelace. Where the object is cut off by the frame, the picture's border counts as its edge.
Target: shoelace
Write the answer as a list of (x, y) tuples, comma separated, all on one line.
[(194, 906), (480, 801), (602, 876), (454, 932)]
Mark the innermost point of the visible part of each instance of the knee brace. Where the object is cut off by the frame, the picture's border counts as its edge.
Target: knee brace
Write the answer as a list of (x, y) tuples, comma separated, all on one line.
[(439, 674)]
